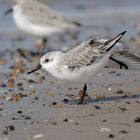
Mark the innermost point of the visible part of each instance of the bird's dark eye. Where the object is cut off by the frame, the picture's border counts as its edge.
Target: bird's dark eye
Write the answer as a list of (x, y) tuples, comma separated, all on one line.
[(46, 60)]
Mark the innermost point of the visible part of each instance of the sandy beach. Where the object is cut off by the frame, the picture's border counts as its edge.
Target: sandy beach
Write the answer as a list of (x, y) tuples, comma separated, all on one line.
[(39, 107)]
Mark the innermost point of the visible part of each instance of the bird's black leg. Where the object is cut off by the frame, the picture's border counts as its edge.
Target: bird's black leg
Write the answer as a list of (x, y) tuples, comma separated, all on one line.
[(120, 63), (44, 43), (83, 95)]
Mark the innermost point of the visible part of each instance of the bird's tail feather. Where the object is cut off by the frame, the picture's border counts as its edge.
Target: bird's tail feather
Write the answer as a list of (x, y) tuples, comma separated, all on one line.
[(110, 43)]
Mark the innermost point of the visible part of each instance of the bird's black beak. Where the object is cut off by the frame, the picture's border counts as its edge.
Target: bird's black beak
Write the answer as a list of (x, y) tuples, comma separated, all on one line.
[(38, 67), (8, 11)]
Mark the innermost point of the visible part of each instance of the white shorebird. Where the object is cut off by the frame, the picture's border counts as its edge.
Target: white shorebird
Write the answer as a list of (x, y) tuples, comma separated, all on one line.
[(85, 61), (36, 18)]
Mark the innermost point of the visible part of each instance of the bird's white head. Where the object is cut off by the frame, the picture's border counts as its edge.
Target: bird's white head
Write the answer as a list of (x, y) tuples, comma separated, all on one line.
[(50, 60)]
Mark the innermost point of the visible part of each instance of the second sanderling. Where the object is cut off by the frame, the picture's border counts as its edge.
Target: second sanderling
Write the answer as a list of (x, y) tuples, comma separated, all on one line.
[(36, 18)]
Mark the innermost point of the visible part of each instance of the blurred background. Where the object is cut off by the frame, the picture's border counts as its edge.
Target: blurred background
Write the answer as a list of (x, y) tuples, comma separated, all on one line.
[(99, 18)]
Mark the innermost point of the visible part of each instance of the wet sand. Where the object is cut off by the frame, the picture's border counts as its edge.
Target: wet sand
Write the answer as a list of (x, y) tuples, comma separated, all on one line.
[(40, 107)]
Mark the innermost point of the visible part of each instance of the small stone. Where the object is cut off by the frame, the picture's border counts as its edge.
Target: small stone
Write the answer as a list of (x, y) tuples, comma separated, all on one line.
[(118, 74), (127, 102), (38, 136), (76, 123), (14, 118), (36, 98), (20, 84), (65, 120), (31, 81), (109, 89), (91, 114), (104, 129), (19, 112), (122, 109), (10, 128), (54, 103), (27, 118), (65, 101), (54, 123), (120, 91), (111, 136), (97, 107), (138, 102), (2, 85), (112, 72), (5, 132), (123, 132), (137, 120)]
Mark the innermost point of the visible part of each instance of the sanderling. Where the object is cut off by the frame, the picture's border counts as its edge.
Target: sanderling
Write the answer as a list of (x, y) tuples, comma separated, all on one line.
[(85, 61), (36, 18)]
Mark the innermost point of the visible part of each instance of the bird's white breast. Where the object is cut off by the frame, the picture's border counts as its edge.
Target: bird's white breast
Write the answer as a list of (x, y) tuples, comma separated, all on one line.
[(81, 75)]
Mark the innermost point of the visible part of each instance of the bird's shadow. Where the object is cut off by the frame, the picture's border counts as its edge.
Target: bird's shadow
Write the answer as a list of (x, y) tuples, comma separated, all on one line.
[(106, 99)]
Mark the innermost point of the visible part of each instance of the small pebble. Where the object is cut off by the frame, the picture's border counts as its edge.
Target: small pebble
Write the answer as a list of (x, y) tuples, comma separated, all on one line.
[(2, 85), (14, 118), (31, 81), (112, 72), (111, 136), (27, 118), (54, 123), (97, 107), (20, 84), (137, 120), (120, 91), (5, 132), (122, 109), (10, 128), (91, 114), (19, 112), (127, 102), (123, 132), (104, 129), (65, 120), (36, 98), (118, 74), (109, 88), (65, 101), (38, 136), (54, 103), (76, 123), (138, 102)]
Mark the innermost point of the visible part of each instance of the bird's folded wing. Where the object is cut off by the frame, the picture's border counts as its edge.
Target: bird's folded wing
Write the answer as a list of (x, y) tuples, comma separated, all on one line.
[(89, 52), (83, 55)]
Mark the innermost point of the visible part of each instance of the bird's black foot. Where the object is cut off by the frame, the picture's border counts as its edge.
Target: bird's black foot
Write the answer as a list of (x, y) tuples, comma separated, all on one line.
[(120, 63)]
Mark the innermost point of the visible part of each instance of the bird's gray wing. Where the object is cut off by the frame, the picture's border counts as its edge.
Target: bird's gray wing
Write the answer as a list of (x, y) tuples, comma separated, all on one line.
[(35, 11), (89, 52), (83, 55)]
